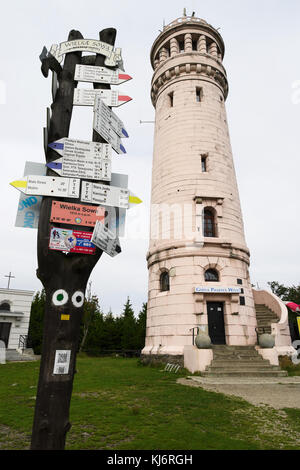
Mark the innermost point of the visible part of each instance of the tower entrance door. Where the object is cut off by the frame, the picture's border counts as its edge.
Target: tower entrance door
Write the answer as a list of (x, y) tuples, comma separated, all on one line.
[(4, 332), (216, 326)]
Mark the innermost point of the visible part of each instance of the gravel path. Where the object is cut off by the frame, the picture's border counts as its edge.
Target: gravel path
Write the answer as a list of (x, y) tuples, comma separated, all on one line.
[(283, 392)]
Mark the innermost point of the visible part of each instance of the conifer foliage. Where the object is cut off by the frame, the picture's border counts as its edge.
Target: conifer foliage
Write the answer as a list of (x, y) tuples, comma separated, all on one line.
[(101, 333)]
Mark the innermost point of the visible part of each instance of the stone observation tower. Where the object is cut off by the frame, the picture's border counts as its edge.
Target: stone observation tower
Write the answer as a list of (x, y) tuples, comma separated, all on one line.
[(198, 258)]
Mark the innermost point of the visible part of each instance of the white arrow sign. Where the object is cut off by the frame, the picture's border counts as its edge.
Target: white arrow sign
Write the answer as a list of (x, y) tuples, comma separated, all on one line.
[(92, 73), (97, 193), (86, 97), (96, 169), (48, 186), (104, 115), (82, 159), (105, 239)]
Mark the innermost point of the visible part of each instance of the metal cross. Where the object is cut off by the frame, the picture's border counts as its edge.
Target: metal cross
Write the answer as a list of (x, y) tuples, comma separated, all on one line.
[(9, 278)]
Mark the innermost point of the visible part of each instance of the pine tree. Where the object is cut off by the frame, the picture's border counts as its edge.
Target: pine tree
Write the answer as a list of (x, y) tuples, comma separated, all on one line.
[(128, 324), (35, 332), (141, 327)]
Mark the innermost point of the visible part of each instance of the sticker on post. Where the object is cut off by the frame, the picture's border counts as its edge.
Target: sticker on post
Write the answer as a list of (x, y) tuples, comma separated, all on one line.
[(62, 362), (72, 241)]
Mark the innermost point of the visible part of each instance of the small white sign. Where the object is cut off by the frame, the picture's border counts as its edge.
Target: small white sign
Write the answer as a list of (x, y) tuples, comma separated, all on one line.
[(104, 194), (103, 115), (95, 74), (82, 160), (105, 239), (218, 290), (62, 362), (48, 186), (86, 97)]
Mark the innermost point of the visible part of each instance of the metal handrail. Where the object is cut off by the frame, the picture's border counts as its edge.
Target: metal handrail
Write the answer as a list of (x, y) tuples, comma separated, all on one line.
[(192, 329), (22, 342)]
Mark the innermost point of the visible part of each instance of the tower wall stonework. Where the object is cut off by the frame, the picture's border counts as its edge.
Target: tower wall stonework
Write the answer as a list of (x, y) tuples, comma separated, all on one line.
[(193, 169)]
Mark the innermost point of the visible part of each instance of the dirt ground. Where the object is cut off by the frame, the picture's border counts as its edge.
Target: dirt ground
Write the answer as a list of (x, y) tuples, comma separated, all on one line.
[(280, 393)]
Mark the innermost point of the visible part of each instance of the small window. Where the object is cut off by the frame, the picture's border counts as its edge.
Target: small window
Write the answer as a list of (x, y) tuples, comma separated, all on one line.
[(171, 96), (5, 306), (194, 44), (164, 281), (242, 300), (239, 281), (209, 229), (211, 275), (203, 163), (181, 46), (199, 94)]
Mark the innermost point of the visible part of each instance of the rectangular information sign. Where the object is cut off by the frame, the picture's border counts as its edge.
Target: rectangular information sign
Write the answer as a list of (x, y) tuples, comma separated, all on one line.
[(98, 193), (106, 240), (73, 241), (29, 206), (218, 290), (76, 214), (95, 74), (86, 97)]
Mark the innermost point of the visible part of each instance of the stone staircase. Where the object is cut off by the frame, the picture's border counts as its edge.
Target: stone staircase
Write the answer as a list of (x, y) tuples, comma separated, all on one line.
[(264, 317), (12, 355), (240, 361)]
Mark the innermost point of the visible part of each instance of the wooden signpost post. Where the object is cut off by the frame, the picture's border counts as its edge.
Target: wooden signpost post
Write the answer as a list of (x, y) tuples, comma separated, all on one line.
[(66, 254)]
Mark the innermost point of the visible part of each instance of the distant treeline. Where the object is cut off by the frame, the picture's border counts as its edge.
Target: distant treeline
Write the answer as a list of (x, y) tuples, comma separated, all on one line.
[(99, 332)]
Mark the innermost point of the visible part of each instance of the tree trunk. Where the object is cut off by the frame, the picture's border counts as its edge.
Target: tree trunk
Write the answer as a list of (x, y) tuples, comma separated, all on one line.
[(64, 277)]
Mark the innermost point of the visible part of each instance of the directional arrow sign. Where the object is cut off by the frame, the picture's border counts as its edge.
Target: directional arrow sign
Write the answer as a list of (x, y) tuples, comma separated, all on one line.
[(48, 186), (92, 73), (80, 168), (103, 114), (74, 148), (82, 159), (86, 97), (97, 193), (106, 240)]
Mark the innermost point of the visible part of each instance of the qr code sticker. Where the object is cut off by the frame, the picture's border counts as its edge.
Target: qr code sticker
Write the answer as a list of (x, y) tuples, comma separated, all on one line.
[(62, 357), (62, 362)]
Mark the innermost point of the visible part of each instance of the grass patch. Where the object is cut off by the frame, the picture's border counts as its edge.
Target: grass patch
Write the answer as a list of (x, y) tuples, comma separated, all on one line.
[(119, 404), (287, 364)]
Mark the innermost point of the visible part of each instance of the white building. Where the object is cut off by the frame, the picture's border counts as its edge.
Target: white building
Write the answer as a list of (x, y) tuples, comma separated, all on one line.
[(15, 306)]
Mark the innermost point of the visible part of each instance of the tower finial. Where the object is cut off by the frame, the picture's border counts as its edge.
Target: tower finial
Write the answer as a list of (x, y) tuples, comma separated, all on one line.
[(184, 12)]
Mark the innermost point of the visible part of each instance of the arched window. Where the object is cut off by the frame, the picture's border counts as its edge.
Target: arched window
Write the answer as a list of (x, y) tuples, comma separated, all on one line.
[(5, 306), (164, 281), (209, 229), (211, 275)]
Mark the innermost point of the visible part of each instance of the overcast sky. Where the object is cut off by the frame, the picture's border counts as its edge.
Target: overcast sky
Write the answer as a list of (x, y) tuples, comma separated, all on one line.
[(262, 41)]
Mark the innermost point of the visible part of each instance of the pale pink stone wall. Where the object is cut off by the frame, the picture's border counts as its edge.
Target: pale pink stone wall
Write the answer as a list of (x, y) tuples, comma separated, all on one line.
[(183, 133)]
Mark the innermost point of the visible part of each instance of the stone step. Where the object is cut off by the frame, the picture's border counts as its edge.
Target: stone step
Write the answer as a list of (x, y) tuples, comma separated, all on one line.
[(237, 367), (235, 354), (243, 373), (242, 363), (11, 355)]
